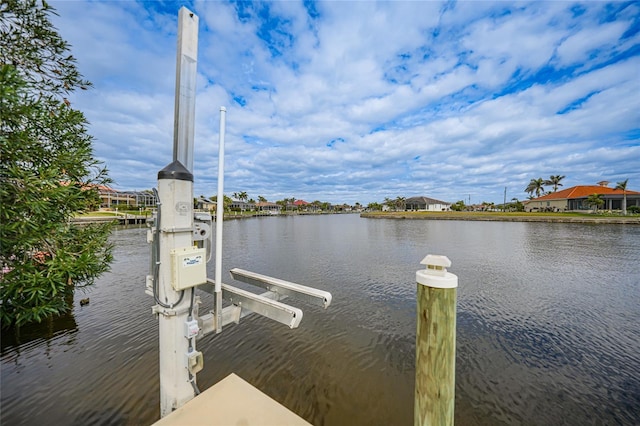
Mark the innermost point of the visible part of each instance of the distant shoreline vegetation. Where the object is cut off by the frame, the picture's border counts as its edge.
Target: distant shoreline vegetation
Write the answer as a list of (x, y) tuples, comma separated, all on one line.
[(507, 217)]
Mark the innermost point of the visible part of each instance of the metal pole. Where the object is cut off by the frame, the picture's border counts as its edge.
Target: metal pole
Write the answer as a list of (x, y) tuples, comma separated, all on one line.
[(435, 343), (175, 227), (504, 205), (219, 220), (185, 103), (175, 190)]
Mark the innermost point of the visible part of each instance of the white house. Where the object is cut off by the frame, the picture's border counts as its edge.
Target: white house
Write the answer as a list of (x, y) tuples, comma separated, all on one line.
[(427, 204)]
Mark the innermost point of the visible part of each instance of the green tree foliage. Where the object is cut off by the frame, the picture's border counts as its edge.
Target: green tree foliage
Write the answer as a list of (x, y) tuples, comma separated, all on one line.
[(458, 206), (47, 173), (596, 201), (374, 206), (226, 201), (516, 205), (535, 185), (623, 186), (554, 181)]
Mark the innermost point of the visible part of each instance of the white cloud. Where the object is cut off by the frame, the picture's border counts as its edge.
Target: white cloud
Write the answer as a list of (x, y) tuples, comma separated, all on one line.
[(368, 100), (591, 41)]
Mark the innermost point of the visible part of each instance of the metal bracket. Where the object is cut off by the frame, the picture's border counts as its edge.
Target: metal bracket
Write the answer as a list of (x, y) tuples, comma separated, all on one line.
[(176, 230), (230, 314), (201, 226), (245, 303), (168, 312), (267, 304), (278, 311), (284, 288)]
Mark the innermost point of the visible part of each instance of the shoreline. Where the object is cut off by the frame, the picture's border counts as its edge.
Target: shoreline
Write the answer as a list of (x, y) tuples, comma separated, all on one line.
[(464, 216), (635, 220), (130, 219)]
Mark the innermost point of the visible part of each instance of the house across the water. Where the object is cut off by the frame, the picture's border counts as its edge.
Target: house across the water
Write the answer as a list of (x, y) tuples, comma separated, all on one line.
[(575, 198), (111, 198), (426, 204)]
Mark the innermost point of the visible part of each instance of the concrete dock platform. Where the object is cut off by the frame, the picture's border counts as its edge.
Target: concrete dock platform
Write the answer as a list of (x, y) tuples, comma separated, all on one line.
[(232, 401)]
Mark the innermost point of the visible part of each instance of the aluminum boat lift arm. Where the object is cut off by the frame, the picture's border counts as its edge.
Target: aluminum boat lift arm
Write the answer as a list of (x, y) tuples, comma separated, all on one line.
[(267, 304)]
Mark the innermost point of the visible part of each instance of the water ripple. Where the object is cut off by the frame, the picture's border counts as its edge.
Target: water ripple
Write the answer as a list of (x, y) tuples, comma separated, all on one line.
[(547, 327)]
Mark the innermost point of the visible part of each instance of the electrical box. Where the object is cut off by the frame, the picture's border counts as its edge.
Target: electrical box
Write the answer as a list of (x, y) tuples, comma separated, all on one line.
[(191, 329), (188, 267), (195, 361)]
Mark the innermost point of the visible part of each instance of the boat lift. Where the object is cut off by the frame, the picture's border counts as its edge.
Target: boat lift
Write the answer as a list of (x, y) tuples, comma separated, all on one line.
[(267, 304), (181, 242)]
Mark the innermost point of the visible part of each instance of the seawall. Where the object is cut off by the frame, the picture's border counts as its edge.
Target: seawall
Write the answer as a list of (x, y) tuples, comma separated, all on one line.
[(634, 220)]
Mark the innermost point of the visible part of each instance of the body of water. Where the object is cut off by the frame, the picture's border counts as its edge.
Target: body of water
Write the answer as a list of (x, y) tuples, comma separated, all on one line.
[(548, 327)]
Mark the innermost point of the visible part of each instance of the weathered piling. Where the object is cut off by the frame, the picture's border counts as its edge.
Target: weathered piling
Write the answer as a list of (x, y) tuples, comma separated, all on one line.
[(435, 343)]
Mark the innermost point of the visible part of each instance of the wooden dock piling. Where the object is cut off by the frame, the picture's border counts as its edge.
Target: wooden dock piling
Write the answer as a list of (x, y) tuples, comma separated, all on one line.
[(435, 343)]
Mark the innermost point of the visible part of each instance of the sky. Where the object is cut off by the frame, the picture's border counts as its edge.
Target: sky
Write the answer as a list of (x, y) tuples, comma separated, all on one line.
[(358, 101)]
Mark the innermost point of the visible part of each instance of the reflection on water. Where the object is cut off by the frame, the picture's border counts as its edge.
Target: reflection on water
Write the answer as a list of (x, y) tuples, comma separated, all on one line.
[(547, 327)]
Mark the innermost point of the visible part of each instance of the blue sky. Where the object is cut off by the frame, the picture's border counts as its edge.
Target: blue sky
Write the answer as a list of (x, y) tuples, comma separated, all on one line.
[(355, 101)]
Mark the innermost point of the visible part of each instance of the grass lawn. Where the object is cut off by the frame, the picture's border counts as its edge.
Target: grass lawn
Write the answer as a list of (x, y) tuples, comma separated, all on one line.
[(489, 214)]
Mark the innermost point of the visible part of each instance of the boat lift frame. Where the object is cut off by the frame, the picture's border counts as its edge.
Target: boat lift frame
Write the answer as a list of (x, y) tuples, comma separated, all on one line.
[(181, 245)]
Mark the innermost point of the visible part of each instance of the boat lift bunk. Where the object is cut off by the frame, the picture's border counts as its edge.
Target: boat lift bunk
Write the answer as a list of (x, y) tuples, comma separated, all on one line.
[(267, 304)]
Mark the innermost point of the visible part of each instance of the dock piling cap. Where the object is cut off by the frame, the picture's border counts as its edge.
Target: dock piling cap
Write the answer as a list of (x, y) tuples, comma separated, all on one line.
[(435, 275), (436, 264)]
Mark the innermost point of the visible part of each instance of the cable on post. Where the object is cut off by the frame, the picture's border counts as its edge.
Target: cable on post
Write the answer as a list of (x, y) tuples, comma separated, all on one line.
[(156, 258)]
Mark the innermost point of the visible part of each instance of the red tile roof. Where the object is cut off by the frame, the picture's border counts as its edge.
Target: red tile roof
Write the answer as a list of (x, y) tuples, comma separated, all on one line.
[(583, 191)]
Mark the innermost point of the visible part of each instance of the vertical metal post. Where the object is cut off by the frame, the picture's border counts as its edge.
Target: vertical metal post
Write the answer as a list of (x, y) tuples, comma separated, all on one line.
[(219, 221), (185, 103), (175, 226), (175, 190), (504, 205), (435, 343)]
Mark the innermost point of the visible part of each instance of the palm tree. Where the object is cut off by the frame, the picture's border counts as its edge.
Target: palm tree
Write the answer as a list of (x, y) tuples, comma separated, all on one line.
[(517, 205), (536, 185), (261, 199), (389, 202), (623, 185), (400, 203), (595, 200), (555, 181), (242, 196)]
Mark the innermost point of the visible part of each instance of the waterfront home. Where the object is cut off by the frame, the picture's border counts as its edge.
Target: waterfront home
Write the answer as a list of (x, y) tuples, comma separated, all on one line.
[(238, 205), (575, 199), (301, 205), (205, 204), (266, 206), (426, 204), (342, 208), (112, 198)]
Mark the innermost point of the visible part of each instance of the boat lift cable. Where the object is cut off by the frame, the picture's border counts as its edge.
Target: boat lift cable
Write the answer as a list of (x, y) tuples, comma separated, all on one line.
[(156, 258)]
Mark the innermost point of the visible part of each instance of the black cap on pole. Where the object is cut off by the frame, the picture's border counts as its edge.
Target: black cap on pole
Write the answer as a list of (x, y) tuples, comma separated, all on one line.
[(175, 170)]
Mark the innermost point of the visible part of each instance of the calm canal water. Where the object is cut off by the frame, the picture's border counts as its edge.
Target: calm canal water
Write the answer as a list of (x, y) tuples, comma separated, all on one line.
[(548, 327)]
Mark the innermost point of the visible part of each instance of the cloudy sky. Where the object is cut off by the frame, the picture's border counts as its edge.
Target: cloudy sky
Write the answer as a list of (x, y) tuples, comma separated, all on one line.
[(355, 101)]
